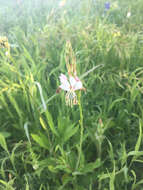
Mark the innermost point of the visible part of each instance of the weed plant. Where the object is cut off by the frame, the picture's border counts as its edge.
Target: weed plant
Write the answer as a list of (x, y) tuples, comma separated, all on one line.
[(96, 144)]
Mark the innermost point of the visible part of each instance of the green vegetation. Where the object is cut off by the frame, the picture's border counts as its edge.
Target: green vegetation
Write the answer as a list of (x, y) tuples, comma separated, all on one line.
[(96, 144)]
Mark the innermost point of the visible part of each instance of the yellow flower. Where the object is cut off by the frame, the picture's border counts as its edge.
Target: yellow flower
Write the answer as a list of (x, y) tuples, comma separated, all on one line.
[(116, 34), (4, 44), (115, 5)]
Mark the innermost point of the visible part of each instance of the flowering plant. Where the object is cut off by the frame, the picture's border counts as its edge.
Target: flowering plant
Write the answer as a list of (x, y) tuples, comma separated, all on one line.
[(4, 44), (71, 83), (70, 86), (107, 6)]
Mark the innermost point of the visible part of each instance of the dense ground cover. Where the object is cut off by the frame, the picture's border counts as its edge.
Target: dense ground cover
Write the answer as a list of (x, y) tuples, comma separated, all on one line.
[(96, 144)]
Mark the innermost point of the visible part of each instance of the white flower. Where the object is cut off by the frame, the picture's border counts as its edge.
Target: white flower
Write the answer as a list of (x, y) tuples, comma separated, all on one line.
[(70, 86), (128, 14), (62, 3), (6, 53), (73, 83)]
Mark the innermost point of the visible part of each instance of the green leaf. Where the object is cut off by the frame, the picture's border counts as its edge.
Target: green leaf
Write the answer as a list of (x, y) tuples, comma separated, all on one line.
[(5, 134), (112, 178), (91, 166), (135, 153), (66, 129), (27, 55), (3, 143), (26, 131), (137, 146), (134, 176), (137, 184), (139, 138), (41, 95), (69, 132), (41, 139), (51, 123), (114, 102)]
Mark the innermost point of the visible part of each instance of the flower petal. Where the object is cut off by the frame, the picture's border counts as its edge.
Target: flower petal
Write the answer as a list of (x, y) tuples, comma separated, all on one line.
[(76, 78), (72, 81), (63, 78), (78, 85), (65, 86)]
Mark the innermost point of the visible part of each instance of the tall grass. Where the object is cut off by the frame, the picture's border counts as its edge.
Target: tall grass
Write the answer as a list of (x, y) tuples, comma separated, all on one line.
[(96, 144)]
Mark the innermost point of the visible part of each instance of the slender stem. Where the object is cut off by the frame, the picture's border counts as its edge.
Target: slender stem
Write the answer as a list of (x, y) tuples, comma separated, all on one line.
[(81, 129)]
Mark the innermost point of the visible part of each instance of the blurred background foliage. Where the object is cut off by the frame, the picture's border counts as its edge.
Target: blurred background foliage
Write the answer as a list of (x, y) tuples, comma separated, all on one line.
[(41, 149)]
